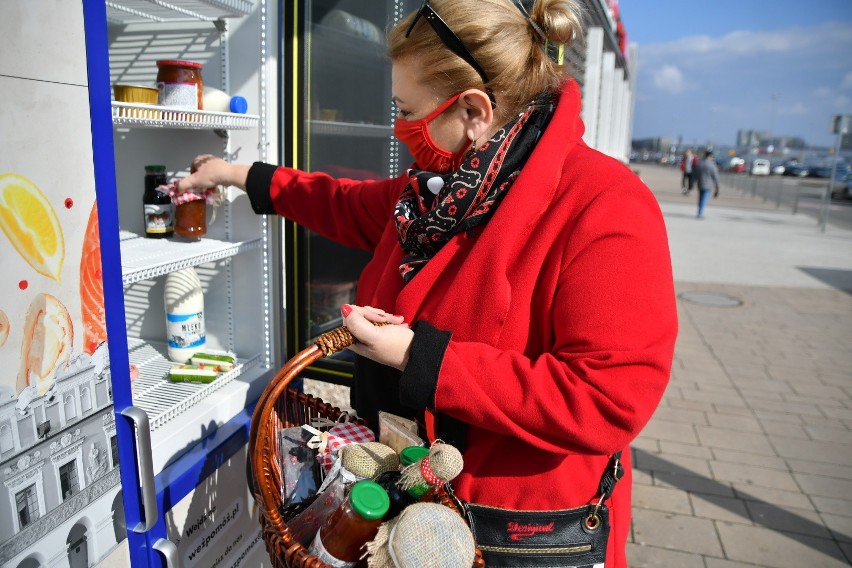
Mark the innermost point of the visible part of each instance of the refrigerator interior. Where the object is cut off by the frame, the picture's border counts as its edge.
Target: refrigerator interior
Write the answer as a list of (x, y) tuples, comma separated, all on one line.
[(236, 259)]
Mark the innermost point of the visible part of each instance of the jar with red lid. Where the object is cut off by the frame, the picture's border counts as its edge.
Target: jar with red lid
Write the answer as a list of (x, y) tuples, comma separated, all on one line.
[(179, 84)]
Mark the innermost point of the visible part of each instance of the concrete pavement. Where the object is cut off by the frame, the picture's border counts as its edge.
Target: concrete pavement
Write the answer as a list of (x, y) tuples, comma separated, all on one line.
[(748, 460)]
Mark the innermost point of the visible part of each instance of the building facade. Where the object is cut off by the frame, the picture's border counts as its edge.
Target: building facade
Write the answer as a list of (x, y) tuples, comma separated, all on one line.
[(59, 500)]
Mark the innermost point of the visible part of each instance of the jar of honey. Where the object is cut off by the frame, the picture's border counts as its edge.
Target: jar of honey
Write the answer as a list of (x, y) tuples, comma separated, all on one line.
[(191, 218), (179, 84)]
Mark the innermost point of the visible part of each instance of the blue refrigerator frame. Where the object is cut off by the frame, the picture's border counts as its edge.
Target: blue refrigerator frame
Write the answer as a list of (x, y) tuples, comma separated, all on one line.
[(146, 530)]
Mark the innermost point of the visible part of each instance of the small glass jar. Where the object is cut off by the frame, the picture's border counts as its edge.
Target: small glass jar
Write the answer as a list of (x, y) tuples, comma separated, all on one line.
[(191, 219), (179, 84)]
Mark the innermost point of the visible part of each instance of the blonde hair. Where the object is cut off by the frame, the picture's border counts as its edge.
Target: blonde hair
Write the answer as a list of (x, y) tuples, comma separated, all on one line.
[(502, 41)]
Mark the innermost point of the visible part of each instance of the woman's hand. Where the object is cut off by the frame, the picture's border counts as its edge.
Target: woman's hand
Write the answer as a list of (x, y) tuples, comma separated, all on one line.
[(387, 344), (210, 171)]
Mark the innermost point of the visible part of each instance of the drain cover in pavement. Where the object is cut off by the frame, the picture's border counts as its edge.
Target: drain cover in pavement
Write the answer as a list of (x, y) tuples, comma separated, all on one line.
[(711, 299)]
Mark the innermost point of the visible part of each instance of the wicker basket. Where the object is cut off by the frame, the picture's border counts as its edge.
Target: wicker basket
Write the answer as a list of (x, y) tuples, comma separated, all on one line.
[(282, 407)]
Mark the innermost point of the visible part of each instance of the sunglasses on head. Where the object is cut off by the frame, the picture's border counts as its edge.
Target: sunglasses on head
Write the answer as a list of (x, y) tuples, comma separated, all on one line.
[(447, 36)]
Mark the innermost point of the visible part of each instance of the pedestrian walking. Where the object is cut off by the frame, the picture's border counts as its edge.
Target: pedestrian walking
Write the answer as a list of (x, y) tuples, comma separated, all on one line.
[(688, 165), (708, 180)]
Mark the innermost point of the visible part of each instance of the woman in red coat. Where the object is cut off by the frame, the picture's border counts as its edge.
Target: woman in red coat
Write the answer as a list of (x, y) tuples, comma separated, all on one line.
[(527, 276)]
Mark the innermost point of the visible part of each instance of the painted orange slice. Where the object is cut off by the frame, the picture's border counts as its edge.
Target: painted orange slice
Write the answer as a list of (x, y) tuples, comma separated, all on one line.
[(30, 222)]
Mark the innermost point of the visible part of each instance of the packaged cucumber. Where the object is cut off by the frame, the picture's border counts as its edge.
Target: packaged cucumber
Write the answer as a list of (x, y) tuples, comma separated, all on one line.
[(224, 361), (193, 373)]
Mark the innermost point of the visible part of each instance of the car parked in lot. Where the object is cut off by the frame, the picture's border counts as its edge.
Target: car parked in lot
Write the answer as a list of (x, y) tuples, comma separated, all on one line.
[(824, 171), (760, 167), (796, 170)]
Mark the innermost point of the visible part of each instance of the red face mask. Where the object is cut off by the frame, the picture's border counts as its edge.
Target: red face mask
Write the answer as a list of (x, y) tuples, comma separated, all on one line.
[(427, 154)]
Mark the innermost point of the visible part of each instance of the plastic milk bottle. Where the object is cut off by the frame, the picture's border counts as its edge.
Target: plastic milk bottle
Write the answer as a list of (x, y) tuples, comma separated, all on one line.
[(184, 303)]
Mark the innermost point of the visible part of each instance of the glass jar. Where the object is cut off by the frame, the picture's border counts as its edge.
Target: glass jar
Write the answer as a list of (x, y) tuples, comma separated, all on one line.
[(191, 218), (341, 539), (157, 206), (179, 84)]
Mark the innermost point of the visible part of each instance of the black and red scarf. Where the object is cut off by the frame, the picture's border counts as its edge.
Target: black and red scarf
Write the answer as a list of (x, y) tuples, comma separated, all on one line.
[(433, 208)]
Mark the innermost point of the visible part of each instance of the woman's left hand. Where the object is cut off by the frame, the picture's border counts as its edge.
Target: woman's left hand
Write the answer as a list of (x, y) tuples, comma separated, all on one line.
[(387, 344)]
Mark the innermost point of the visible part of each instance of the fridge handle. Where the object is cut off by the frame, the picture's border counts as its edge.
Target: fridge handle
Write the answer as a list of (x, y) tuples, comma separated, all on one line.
[(144, 458), (169, 551)]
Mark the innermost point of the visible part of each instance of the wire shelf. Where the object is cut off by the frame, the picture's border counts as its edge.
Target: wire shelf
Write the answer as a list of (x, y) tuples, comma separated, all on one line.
[(139, 115), (162, 399), (143, 259), (146, 11)]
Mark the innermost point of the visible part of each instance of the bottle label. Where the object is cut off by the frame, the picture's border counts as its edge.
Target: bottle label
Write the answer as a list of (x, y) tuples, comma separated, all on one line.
[(181, 95), (159, 218), (186, 331), (319, 550)]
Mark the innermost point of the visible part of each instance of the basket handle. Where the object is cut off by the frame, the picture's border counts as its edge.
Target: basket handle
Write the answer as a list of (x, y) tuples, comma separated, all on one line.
[(261, 445)]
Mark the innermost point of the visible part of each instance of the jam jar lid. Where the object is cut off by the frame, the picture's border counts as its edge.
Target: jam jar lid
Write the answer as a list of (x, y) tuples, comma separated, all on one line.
[(179, 63)]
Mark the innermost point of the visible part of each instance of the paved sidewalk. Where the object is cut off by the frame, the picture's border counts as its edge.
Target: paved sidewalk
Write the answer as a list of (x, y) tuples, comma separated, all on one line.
[(748, 460)]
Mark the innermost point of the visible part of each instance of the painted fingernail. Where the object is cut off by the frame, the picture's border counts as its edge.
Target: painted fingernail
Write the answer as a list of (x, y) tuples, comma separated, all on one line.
[(345, 309)]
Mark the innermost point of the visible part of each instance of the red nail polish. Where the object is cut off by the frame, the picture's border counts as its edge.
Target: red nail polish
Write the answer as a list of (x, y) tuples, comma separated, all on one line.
[(345, 309)]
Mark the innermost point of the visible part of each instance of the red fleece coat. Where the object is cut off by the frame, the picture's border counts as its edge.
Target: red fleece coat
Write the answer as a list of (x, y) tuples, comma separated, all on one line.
[(561, 309)]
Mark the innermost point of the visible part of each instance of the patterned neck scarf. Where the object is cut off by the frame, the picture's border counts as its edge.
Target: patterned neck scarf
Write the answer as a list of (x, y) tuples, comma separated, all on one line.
[(433, 208)]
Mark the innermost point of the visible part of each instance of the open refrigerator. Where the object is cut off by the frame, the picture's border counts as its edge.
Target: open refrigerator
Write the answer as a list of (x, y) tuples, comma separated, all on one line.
[(100, 467)]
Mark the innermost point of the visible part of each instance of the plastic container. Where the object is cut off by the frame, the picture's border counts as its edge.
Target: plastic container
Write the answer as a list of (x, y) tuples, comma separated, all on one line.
[(341, 539), (184, 302), (136, 94), (159, 213), (220, 101), (180, 84)]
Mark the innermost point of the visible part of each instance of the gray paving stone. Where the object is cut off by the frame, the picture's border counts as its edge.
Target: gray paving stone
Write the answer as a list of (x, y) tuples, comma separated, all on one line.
[(690, 450), (717, 508), (824, 486), (735, 457), (784, 428), (739, 423), (774, 549), (751, 475), (733, 440), (668, 430), (676, 532), (719, 563), (693, 484), (820, 468), (840, 526), (800, 521), (680, 415), (671, 463), (640, 556), (792, 499), (665, 499), (810, 450), (834, 435), (833, 505)]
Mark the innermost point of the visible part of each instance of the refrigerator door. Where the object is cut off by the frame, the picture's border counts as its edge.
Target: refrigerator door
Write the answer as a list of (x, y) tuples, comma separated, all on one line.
[(59, 475), (344, 127), (172, 437)]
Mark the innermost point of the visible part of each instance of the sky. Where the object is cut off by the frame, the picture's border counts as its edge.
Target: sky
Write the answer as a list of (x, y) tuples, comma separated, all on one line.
[(708, 69)]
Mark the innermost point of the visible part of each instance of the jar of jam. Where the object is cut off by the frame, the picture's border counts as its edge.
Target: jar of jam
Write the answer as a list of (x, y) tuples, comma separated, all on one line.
[(158, 209), (191, 218), (179, 84)]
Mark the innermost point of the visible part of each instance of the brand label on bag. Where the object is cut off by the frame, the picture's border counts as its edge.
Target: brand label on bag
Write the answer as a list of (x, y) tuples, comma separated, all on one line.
[(520, 531)]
